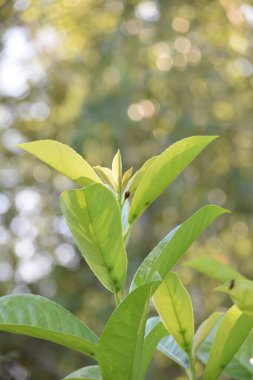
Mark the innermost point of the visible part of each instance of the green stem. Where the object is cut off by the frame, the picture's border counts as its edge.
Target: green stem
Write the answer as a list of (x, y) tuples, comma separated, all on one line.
[(117, 298), (192, 370), (127, 231)]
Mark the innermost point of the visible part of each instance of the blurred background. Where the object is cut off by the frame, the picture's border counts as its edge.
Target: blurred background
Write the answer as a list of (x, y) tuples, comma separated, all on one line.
[(136, 75)]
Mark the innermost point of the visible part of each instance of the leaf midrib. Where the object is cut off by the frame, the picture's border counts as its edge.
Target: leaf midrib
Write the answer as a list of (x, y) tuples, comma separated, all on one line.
[(178, 320), (97, 242)]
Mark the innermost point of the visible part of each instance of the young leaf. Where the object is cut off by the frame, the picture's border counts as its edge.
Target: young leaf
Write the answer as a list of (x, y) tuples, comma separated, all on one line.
[(155, 334), (214, 268), (169, 347), (87, 373), (174, 306), (170, 250), (64, 159), (39, 317), (165, 168), (205, 328), (240, 367), (126, 177), (155, 331), (137, 177), (231, 333), (121, 343), (241, 292), (106, 175), (117, 167), (93, 216)]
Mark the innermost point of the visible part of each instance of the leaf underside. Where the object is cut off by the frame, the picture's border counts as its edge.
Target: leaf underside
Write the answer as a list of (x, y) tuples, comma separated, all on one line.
[(39, 317)]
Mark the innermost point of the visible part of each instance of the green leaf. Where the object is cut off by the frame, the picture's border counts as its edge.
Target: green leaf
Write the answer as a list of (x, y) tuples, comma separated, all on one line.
[(155, 331), (214, 268), (163, 170), (241, 292), (239, 367), (64, 159), (169, 347), (93, 216), (137, 177), (106, 175), (39, 317), (87, 373), (126, 177), (121, 342), (174, 306), (231, 333), (170, 250), (205, 328)]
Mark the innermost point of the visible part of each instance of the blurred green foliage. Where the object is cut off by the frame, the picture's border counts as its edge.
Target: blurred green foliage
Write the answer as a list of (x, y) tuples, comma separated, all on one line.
[(138, 75)]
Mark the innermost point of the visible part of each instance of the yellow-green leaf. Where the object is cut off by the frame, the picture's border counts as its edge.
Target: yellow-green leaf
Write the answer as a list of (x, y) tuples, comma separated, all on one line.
[(214, 268), (171, 248), (93, 216), (126, 177), (106, 175), (117, 167), (174, 306), (241, 292), (231, 333), (64, 159), (205, 328), (137, 177), (163, 170)]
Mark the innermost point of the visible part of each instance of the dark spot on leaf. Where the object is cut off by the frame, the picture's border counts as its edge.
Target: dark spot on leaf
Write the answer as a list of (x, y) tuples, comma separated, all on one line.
[(127, 194), (231, 284), (182, 331), (147, 203), (109, 269)]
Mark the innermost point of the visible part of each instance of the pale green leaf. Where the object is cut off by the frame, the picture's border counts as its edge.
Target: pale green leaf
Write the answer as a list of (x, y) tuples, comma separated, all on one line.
[(214, 268), (64, 159), (205, 328), (94, 218), (169, 347), (121, 343), (163, 170), (87, 373), (174, 306), (39, 317), (155, 331), (106, 175), (240, 367), (137, 177), (170, 250), (231, 333), (241, 292), (126, 177), (125, 211)]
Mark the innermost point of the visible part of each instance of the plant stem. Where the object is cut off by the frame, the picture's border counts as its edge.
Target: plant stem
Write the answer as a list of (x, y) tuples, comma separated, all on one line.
[(192, 369), (117, 298), (127, 231)]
